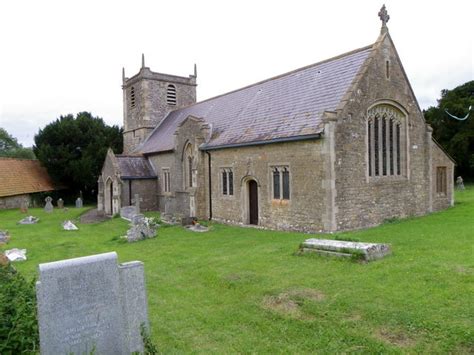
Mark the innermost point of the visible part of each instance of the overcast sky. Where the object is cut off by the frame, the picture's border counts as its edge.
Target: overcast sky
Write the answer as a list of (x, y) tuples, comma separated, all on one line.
[(60, 57)]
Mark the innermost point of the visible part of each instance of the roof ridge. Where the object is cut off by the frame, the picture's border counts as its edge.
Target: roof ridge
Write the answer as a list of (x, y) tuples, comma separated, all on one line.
[(280, 76)]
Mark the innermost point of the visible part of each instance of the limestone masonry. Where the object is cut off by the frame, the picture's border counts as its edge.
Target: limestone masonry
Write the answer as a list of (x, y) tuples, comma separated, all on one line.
[(340, 144)]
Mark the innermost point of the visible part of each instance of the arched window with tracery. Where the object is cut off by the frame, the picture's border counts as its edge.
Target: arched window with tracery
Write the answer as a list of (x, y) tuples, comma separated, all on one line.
[(386, 127)]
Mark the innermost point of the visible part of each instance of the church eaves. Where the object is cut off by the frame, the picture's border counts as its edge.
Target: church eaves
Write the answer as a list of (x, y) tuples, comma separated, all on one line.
[(287, 107)]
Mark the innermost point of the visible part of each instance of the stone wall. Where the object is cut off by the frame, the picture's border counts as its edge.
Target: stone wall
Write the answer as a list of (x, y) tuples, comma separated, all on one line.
[(146, 188), (14, 201), (364, 201), (306, 207), (181, 197)]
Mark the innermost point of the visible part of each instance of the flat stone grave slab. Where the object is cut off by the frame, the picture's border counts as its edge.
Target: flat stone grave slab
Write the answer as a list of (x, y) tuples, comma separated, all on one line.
[(340, 248), (16, 254), (29, 220), (128, 212), (69, 226), (91, 305)]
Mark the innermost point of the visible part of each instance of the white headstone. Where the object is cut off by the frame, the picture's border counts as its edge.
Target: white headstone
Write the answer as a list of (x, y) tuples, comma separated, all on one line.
[(79, 203), (91, 304)]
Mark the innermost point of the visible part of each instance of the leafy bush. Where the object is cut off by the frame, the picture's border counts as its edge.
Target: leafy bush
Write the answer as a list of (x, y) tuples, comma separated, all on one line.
[(18, 322)]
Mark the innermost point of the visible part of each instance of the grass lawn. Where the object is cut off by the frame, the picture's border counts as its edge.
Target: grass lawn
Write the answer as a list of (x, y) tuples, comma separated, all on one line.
[(242, 289)]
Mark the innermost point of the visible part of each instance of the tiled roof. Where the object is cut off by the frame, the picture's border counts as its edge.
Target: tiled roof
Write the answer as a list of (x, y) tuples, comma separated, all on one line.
[(18, 176), (135, 167), (289, 105)]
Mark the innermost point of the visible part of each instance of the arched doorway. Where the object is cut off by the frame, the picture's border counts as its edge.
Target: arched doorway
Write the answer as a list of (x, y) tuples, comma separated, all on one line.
[(253, 202)]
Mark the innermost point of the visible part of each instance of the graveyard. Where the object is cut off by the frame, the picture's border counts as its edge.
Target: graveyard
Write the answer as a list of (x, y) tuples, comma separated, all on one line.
[(234, 289)]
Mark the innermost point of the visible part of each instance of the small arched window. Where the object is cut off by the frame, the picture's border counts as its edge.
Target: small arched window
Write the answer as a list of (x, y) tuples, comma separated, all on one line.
[(132, 97), (188, 166), (385, 127), (171, 95)]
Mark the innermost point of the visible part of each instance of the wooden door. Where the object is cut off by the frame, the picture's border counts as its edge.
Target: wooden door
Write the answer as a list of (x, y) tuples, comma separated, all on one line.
[(253, 202)]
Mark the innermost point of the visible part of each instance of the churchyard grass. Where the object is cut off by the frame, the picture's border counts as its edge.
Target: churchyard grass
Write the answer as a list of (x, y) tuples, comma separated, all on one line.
[(243, 290)]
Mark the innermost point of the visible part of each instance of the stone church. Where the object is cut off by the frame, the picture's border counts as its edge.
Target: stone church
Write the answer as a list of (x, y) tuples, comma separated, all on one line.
[(337, 145)]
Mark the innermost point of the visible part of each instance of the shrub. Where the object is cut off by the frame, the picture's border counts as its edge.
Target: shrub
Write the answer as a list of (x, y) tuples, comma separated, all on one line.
[(18, 322)]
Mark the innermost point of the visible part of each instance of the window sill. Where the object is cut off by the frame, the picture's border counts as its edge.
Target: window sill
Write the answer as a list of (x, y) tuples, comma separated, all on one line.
[(387, 178), (281, 202)]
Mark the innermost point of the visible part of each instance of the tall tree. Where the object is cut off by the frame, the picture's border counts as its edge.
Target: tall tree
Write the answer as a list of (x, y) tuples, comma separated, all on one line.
[(9, 147), (73, 149), (456, 136)]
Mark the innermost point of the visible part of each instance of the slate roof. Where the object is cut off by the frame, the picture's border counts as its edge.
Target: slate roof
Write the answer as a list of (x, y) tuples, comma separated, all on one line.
[(19, 176), (290, 105), (133, 167)]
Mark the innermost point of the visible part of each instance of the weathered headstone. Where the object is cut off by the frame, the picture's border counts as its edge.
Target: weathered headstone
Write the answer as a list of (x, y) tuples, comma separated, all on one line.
[(128, 212), (340, 248), (49, 206), (24, 206), (60, 203), (91, 304), (136, 202), (460, 183), (79, 202), (29, 220)]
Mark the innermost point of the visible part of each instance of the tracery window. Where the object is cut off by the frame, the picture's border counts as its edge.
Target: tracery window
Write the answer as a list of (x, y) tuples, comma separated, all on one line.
[(281, 182), (227, 181), (385, 127)]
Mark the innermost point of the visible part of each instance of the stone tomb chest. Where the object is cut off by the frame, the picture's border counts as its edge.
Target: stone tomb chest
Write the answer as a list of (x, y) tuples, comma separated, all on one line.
[(91, 304)]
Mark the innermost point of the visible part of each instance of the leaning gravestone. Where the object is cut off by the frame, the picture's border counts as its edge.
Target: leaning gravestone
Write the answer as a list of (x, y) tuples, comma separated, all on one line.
[(91, 305), (49, 206), (60, 203), (79, 202)]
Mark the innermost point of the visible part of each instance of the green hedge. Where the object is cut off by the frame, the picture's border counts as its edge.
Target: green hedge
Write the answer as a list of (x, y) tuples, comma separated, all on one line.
[(18, 322)]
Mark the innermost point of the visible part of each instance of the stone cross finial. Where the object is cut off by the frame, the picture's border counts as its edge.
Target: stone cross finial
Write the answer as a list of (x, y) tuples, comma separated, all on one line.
[(384, 16), (136, 201)]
